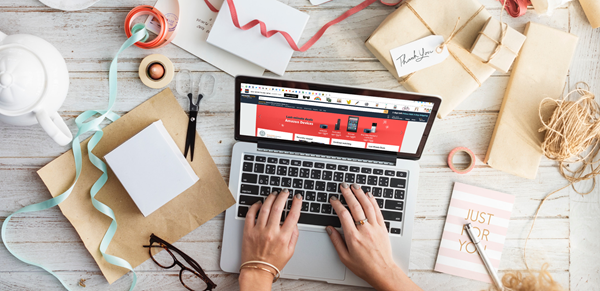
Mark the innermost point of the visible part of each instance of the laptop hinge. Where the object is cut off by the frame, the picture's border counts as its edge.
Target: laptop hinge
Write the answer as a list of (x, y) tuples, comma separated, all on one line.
[(307, 150)]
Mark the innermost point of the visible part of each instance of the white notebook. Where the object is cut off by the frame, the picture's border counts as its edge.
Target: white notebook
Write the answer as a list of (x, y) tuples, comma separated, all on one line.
[(151, 168), (272, 53)]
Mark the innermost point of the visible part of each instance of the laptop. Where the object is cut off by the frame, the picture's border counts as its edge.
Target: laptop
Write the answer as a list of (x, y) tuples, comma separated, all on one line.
[(310, 138)]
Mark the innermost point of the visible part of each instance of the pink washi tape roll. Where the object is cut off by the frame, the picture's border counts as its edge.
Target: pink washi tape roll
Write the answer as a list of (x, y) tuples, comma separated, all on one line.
[(458, 150)]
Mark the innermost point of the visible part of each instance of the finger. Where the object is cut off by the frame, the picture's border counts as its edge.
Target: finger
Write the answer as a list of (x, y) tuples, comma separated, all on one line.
[(249, 224), (365, 203), (294, 239), (265, 210), (344, 215), (338, 243), (291, 221), (355, 207), (376, 209), (277, 209)]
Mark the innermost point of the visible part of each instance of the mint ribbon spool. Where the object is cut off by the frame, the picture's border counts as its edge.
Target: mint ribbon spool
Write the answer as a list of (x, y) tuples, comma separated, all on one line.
[(139, 34)]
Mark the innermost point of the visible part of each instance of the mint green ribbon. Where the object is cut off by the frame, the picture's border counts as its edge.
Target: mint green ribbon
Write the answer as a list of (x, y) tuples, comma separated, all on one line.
[(139, 34)]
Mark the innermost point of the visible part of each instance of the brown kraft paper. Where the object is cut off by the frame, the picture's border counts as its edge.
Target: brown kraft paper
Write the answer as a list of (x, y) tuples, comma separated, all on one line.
[(448, 79), (592, 11), (539, 72), (497, 52), (198, 204)]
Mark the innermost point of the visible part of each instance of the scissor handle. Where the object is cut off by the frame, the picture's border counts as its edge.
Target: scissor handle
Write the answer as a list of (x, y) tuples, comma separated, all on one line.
[(184, 83), (207, 85)]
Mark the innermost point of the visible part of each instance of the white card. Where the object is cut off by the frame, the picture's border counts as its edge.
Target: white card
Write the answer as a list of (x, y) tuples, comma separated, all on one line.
[(418, 55), (318, 2)]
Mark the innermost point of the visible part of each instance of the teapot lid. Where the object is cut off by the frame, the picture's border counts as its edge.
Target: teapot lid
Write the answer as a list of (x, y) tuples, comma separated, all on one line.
[(22, 78)]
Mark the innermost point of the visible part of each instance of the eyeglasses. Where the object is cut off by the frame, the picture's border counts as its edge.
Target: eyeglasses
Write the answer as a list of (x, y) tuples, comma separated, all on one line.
[(165, 262)]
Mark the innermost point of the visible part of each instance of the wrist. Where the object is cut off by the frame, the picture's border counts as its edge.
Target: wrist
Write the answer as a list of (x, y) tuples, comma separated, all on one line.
[(255, 279), (394, 278)]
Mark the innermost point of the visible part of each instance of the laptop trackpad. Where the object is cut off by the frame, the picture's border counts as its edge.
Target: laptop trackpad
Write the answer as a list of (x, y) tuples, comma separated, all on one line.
[(315, 257)]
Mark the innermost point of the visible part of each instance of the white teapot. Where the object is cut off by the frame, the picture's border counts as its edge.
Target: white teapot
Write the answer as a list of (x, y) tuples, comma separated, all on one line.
[(34, 81)]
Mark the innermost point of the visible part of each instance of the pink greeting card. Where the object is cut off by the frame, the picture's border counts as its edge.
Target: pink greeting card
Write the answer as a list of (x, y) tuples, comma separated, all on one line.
[(489, 213)]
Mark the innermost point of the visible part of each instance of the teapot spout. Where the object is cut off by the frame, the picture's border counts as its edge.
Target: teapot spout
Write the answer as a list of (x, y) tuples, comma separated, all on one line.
[(2, 36)]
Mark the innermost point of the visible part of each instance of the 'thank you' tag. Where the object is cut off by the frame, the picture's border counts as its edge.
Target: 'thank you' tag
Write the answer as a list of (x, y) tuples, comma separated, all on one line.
[(419, 54)]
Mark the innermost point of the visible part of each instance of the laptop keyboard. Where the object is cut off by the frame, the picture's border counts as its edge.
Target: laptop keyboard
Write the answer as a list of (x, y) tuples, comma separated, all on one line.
[(317, 182)]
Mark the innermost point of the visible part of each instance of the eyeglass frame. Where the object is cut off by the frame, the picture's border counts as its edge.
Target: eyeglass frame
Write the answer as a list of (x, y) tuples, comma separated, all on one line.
[(210, 285)]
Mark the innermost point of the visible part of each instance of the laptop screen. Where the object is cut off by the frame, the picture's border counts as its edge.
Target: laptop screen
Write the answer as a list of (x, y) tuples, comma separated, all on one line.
[(301, 113)]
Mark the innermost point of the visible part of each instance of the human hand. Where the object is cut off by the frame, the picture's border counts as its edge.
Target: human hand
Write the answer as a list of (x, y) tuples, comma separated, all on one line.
[(266, 240), (365, 249)]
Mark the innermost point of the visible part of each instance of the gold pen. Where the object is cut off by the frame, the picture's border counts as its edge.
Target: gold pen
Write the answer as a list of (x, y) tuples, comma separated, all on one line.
[(484, 257)]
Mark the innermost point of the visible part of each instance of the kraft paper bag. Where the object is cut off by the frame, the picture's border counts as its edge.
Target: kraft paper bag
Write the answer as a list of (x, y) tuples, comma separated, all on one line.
[(461, 73), (539, 72), (204, 200)]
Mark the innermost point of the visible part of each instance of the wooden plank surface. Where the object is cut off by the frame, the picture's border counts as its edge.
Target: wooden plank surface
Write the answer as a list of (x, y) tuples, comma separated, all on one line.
[(566, 234)]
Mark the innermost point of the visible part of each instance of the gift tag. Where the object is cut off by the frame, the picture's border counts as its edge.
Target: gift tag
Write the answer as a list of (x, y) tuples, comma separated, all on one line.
[(418, 54)]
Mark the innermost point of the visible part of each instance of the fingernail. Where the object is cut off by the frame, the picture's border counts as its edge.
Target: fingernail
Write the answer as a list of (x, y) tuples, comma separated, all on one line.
[(274, 193), (285, 191), (328, 230), (333, 198), (355, 186), (369, 194), (298, 196), (345, 185), (259, 202)]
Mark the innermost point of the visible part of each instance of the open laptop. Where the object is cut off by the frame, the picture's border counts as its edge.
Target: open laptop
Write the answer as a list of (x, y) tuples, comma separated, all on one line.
[(309, 138)]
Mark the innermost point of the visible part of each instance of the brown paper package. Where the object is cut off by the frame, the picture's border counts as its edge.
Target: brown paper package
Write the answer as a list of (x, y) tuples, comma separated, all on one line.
[(198, 204), (487, 41), (539, 72), (592, 11), (447, 79)]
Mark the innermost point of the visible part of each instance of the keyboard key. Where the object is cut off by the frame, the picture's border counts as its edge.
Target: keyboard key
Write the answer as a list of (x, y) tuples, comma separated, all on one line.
[(281, 170), (399, 194), (293, 172), (304, 207), (249, 189), (297, 183), (283, 215), (332, 187), (296, 163), (354, 169), (327, 175), (372, 180), (316, 219), (333, 195), (284, 161), (247, 167), (322, 197), (286, 182), (377, 192), (401, 174), (380, 202), (366, 189), (249, 178), (259, 168), (242, 211), (265, 191), (343, 200), (391, 215), (387, 225), (309, 184), (342, 168), (384, 181), (326, 208), (315, 207), (320, 186), (248, 158), (338, 177), (270, 169), (388, 193), (276, 190), (390, 173), (378, 171), (365, 170), (301, 192), (394, 205), (289, 204), (304, 173), (261, 159), (331, 166), (272, 160), (398, 183), (263, 179), (361, 179), (274, 181), (307, 164), (249, 200), (315, 174), (320, 165), (349, 178), (395, 230), (310, 196), (291, 193)]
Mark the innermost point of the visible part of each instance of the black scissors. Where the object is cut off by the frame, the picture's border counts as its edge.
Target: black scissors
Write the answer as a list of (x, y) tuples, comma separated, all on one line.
[(185, 86)]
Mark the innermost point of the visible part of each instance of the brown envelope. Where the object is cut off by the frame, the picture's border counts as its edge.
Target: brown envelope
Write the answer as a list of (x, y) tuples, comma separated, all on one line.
[(449, 78), (539, 72), (201, 202)]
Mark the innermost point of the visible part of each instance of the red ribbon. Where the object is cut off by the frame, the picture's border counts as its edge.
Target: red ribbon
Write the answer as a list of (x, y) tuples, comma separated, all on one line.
[(290, 40), (515, 8)]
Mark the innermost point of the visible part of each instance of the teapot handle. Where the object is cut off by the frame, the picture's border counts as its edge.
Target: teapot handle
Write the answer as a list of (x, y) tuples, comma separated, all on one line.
[(54, 126)]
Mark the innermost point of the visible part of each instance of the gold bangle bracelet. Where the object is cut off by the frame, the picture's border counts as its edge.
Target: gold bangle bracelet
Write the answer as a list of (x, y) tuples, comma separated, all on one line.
[(260, 268), (275, 276)]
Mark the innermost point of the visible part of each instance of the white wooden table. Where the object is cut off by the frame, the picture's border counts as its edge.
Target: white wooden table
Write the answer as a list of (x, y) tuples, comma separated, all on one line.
[(566, 235)]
